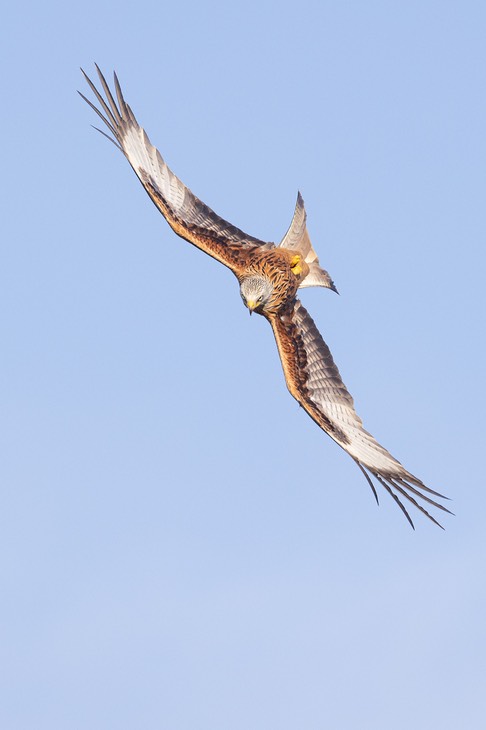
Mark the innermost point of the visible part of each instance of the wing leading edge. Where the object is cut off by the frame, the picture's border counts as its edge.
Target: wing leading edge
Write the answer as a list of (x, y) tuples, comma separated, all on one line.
[(188, 216), (315, 382)]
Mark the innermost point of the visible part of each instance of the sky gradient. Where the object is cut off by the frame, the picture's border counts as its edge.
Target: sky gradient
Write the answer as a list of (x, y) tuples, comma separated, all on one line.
[(181, 548)]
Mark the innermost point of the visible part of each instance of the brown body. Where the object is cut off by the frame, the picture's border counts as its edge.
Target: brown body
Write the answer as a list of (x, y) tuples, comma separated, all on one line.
[(285, 269)]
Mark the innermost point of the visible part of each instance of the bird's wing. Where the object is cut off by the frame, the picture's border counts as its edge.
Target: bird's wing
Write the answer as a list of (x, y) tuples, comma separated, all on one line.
[(314, 380), (188, 216)]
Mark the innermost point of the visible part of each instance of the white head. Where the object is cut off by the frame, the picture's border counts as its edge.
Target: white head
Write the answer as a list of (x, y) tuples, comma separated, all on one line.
[(256, 291)]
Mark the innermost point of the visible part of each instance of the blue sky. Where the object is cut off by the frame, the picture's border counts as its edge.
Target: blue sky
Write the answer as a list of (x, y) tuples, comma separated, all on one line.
[(180, 546)]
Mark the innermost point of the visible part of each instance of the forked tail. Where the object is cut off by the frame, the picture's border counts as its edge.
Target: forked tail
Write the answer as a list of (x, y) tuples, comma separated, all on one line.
[(297, 239)]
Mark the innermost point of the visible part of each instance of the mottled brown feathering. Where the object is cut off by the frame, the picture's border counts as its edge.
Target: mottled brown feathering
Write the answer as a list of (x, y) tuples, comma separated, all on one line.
[(278, 272), (314, 380), (188, 216), (276, 265)]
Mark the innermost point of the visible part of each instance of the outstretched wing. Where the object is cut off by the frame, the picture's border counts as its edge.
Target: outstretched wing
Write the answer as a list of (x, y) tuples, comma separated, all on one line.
[(188, 216), (314, 380)]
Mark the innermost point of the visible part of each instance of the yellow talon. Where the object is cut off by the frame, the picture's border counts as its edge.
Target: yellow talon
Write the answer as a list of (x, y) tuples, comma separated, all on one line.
[(295, 266)]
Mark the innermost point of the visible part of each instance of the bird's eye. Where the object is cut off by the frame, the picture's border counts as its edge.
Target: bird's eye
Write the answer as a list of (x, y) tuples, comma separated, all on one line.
[(260, 298)]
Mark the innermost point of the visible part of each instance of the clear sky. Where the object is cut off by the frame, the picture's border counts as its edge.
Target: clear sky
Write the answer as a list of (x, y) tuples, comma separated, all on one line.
[(181, 548)]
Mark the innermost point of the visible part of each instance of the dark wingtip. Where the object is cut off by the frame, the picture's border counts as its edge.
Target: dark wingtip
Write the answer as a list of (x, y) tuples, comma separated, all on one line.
[(375, 493)]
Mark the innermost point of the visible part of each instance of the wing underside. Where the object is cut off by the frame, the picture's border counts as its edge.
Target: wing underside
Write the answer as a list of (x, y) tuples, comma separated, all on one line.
[(314, 380), (188, 216)]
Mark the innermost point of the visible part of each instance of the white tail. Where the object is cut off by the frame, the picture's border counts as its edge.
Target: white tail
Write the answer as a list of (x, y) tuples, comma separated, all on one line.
[(297, 239)]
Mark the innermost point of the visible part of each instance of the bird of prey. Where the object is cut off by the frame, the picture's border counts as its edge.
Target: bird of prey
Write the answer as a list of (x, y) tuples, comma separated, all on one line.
[(269, 277)]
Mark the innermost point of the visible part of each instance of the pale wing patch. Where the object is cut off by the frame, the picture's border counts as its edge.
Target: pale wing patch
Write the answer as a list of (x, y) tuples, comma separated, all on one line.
[(185, 213), (147, 161), (330, 395), (315, 381)]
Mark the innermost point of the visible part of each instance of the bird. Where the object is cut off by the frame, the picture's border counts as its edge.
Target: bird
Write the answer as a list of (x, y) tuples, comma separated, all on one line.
[(270, 277)]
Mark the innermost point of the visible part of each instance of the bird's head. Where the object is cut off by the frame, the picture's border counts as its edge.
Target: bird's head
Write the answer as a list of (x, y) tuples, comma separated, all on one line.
[(256, 292)]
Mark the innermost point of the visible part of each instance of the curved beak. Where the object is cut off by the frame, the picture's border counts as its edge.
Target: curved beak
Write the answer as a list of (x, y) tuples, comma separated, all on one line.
[(251, 304)]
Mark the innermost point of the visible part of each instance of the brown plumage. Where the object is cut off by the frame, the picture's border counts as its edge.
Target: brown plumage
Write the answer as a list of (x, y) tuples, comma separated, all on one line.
[(269, 278)]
